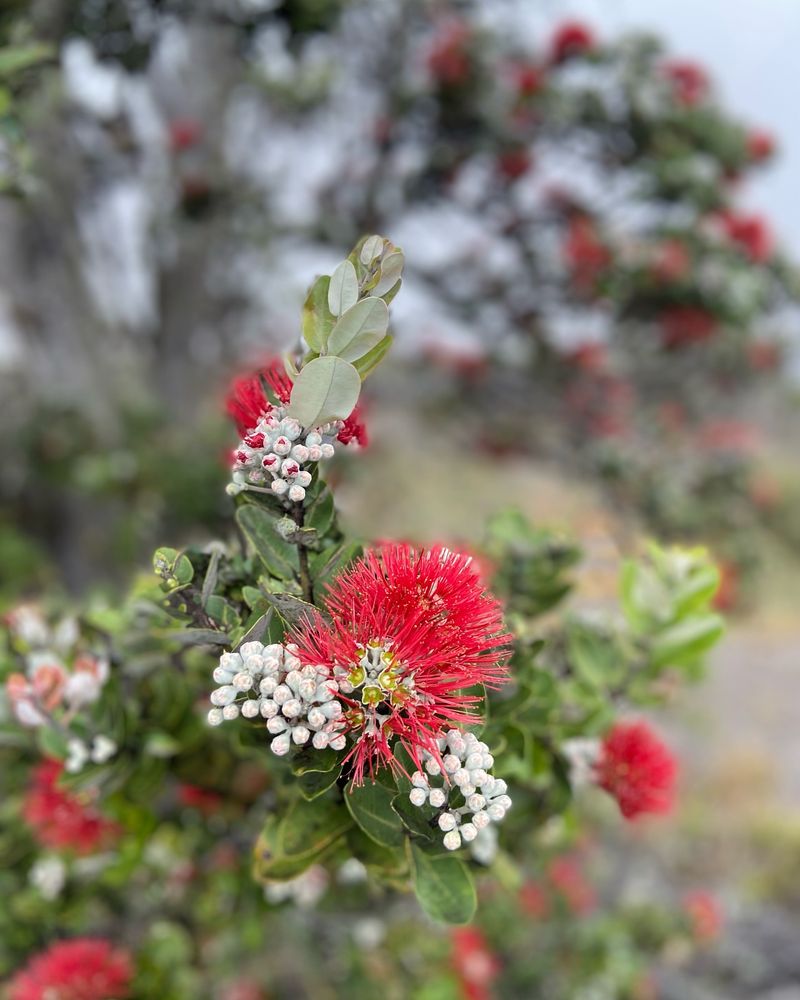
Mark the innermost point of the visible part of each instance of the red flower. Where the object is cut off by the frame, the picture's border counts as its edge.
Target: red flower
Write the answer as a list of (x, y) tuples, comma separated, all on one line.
[(448, 57), (672, 261), (760, 145), (727, 596), (247, 400), (690, 83), (514, 163), (589, 356), (734, 436), (61, 820), (704, 914), (354, 429), (534, 900), (474, 963), (751, 233), (201, 799), (585, 253), (572, 38), (567, 878), (81, 969), (637, 769), (681, 325), (764, 355), (527, 79), (410, 631), (184, 133)]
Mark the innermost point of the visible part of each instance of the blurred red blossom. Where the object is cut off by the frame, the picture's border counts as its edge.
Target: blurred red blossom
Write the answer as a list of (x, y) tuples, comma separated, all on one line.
[(201, 799), (705, 916), (752, 233), (585, 254), (184, 133), (514, 163), (80, 969), (61, 820), (690, 83), (572, 38), (448, 57), (474, 962), (760, 145), (637, 769), (683, 325), (569, 882)]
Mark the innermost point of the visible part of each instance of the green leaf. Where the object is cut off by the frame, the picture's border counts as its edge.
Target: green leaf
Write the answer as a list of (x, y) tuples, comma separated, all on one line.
[(343, 289), (391, 270), (292, 609), (326, 389), (416, 819), (370, 248), (192, 636), (317, 319), (368, 362), (312, 784), (309, 761), (370, 806), (320, 512), (279, 557), (258, 630), (444, 886), (684, 642), (360, 329), (51, 742), (326, 565), (308, 828), (14, 59), (222, 611)]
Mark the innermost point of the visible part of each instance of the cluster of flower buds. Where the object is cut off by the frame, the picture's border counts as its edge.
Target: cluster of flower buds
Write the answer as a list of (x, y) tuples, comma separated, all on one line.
[(48, 687), (469, 796), (277, 452), (299, 702)]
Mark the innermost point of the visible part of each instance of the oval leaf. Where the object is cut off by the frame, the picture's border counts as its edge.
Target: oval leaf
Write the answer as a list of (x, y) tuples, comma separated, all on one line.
[(326, 389), (391, 270), (343, 289), (370, 806), (360, 329), (372, 246), (444, 887), (317, 318)]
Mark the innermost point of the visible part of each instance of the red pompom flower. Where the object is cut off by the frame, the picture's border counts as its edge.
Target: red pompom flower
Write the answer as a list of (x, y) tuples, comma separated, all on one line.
[(637, 769), (62, 821), (572, 38), (247, 399), (690, 83), (410, 633), (81, 969)]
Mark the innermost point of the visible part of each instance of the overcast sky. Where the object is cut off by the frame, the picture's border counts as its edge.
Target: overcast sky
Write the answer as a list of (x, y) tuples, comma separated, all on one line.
[(752, 49)]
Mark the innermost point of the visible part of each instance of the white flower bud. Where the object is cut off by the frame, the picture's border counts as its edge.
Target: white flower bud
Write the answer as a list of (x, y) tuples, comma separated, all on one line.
[(292, 708), (495, 812), (313, 438), (480, 820), (474, 760), (301, 735), (447, 821), (282, 694), (230, 712), (468, 831), (282, 445), (292, 428), (222, 676), (299, 453), (243, 681), (476, 802), (452, 840), (269, 709), (232, 662), (223, 695), (248, 649), (338, 742), (297, 493), (437, 797), (277, 724), (432, 767), (504, 801), (279, 486), (461, 777), (320, 740), (467, 790), (418, 780), (281, 744), (451, 763), (314, 453), (303, 478), (500, 786), (215, 717), (251, 708), (267, 686), (479, 776), (316, 718), (417, 796)]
